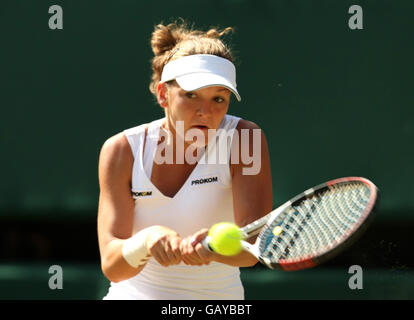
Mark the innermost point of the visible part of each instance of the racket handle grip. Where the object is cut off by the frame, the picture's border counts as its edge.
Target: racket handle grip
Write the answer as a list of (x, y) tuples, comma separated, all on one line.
[(206, 243)]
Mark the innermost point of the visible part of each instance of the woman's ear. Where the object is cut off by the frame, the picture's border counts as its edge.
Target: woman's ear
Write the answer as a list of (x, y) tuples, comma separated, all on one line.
[(162, 94)]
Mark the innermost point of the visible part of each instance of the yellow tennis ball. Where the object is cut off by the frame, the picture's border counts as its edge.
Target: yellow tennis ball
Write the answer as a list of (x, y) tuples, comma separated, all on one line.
[(225, 238)]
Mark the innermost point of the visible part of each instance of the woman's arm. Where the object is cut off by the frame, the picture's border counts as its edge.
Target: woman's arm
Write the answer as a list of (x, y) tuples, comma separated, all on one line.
[(252, 193), (116, 212), (116, 207)]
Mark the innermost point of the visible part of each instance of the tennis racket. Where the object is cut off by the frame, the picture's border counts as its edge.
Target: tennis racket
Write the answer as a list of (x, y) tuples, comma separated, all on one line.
[(312, 227)]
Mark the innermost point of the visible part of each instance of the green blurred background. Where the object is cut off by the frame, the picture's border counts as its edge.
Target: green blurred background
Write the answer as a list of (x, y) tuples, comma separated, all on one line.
[(332, 101)]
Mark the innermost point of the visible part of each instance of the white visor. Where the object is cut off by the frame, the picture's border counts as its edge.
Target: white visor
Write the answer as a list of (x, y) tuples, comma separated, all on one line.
[(200, 71)]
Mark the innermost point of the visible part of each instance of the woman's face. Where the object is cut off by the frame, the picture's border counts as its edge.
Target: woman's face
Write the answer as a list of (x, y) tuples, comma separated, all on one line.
[(201, 109)]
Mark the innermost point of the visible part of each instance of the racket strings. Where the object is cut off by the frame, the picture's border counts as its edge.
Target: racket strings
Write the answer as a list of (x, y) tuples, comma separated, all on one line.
[(316, 223)]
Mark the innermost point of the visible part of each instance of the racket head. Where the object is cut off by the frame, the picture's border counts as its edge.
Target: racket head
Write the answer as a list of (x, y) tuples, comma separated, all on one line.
[(317, 224)]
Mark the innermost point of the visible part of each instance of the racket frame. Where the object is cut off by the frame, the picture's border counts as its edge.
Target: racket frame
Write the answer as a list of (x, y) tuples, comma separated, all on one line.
[(345, 241)]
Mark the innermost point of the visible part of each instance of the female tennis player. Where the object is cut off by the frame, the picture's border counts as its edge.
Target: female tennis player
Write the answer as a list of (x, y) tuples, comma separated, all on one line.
[(160, 190)]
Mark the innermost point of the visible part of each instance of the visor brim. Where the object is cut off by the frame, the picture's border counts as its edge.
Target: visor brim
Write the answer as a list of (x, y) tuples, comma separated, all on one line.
[(196, 81)]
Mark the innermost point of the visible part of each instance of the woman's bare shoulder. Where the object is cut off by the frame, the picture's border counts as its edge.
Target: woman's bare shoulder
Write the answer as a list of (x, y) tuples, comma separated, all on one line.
[(117, 144), (116, 154), (246, 124)]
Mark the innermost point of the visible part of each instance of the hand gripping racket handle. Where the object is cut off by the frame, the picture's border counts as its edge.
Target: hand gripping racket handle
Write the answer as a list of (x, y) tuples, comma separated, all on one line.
[(206, 243)]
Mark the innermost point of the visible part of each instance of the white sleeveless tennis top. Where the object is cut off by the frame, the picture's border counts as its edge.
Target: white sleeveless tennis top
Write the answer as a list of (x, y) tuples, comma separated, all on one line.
[(203, 200)]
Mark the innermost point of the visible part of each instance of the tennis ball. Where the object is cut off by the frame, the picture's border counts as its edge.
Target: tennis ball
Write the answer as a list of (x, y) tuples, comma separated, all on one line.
[(225, 238)]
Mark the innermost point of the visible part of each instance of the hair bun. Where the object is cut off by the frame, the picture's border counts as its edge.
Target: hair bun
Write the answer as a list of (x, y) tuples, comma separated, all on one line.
[(164, 38)]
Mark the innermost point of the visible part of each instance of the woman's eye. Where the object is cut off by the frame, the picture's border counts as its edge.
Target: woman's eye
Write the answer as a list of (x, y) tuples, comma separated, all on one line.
[(218, 99), (190, 95)]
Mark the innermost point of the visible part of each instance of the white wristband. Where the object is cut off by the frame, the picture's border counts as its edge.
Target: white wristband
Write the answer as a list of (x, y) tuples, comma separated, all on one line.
[(134, 249)]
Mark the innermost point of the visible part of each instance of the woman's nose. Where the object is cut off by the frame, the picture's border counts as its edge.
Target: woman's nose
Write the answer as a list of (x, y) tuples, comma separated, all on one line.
[(204, 109)]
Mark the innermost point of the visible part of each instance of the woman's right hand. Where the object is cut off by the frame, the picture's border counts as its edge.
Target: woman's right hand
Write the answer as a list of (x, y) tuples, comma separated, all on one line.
[(164, 245)]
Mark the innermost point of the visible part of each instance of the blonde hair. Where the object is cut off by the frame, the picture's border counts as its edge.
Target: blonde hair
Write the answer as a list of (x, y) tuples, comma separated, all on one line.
[(177, 39)]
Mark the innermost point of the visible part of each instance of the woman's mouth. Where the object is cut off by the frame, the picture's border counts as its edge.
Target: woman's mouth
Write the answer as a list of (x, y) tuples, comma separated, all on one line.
[(200, 127)]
